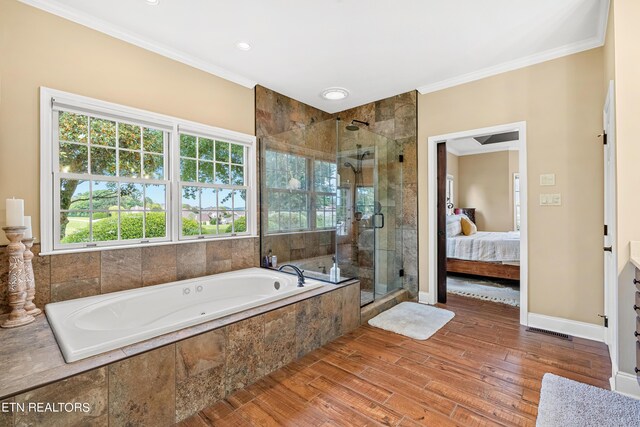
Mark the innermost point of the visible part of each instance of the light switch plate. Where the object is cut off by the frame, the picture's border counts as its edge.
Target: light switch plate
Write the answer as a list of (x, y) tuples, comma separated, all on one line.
[(548, 179), (551, 199)]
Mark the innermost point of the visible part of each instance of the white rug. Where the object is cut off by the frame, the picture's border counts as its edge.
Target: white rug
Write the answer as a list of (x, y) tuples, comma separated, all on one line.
[(413, 320), (567, 403), (493, 292)]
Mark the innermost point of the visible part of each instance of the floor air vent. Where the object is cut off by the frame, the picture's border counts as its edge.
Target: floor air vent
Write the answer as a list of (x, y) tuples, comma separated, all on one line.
[(551, 333)]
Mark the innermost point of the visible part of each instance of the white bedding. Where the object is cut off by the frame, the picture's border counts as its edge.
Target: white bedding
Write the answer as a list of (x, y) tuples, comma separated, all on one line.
[(489, 246)]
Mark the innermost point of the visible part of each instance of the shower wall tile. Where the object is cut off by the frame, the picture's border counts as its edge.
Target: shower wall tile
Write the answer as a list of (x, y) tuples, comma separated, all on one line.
[(142, 389), (120, 270), (65, 268), (192, 260), (90, 386), (159, 265), (76, 289), (410, 206), (244, 255), (42, 275)]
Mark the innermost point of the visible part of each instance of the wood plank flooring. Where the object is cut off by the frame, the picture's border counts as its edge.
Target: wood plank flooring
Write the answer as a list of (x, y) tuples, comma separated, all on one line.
[(481, 369)]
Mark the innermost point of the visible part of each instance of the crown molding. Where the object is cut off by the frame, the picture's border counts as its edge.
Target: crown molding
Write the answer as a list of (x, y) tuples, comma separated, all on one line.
[(527, 61), (58, 9)]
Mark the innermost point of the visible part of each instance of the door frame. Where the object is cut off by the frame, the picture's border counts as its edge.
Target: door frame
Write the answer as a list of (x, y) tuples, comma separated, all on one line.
[(432, 166), (610, 218)]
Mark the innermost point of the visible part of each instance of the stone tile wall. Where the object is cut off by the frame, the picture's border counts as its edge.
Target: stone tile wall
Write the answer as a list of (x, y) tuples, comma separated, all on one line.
[(69, 276), (170, 383)]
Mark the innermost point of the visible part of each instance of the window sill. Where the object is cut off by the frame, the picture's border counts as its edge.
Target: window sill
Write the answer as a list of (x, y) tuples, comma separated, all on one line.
[(143, 245)]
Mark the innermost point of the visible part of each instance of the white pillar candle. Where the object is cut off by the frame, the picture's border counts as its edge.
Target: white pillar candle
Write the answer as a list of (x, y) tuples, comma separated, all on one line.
[(28, 234), (15, 213)]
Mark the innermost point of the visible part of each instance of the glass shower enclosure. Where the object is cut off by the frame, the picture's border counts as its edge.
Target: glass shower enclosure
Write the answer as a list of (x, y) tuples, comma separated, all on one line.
[(331, 199)]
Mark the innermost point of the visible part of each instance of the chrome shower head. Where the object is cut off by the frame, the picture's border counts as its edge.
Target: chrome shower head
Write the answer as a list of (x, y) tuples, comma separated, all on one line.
[(349, 165)]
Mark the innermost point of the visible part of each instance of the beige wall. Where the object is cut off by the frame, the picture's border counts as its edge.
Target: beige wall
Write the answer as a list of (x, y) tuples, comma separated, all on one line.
[(484, 185), (40, 49), (622, 36), (561, 101), (453, 170)]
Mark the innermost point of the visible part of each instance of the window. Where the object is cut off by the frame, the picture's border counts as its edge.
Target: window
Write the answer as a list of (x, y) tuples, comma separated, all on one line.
[(365, 201), (325, 177), (516, 201), (300, 193), (213, 186), (111, 176)]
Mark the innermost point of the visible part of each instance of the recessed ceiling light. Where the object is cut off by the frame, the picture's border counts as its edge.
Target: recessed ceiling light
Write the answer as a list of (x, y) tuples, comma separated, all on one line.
[(243, 46), (335, 93), (153, 2)]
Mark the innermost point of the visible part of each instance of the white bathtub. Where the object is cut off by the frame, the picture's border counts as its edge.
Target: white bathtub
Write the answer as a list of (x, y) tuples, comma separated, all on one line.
[(88, 326)]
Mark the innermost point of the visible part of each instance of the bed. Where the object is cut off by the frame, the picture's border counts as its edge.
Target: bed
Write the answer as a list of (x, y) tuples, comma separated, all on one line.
[(485, 253)]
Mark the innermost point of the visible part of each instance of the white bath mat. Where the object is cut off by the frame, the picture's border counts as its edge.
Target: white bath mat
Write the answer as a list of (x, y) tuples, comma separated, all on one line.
[(568, 403), (493, 292), (413, 320)]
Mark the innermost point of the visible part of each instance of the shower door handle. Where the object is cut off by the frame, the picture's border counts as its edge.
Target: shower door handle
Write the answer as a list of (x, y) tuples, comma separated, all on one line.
[(375, 223)]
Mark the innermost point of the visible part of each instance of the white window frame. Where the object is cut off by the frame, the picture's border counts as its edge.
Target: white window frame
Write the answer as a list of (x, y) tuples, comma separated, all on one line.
[(85, 105), (203, 131)]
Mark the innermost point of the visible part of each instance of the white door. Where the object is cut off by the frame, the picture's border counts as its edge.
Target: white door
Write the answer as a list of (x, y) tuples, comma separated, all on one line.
[(610, 255)]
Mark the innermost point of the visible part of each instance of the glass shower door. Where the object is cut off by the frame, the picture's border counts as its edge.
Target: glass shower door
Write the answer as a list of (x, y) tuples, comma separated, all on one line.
[(369, 240)]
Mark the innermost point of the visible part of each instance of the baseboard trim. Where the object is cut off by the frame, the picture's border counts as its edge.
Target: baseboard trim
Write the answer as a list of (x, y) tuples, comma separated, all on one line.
[(424, 297), (626, 384), (566, 326)]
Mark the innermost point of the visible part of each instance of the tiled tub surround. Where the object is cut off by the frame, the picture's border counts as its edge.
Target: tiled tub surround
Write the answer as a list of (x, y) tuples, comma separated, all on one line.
[(168, 378), (70, 276), (89, 326)]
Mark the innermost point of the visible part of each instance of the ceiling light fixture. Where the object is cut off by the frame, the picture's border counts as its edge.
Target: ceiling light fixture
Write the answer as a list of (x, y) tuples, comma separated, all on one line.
[(243, 46), (153, 2), (335, 93)]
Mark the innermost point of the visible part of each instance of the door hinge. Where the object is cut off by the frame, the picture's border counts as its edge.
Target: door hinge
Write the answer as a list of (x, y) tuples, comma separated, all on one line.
[(401, 272), (608, 249), (604, 137), (401, 158), (605, 319), (606, 230)]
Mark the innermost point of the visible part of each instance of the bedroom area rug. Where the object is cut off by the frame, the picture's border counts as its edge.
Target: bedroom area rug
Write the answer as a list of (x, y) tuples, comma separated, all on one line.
[(413, 320), (484, 289), (567, 403)]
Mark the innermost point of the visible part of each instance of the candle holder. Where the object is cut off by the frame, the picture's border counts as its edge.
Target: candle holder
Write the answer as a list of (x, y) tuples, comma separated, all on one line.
[(17, 290), (30, 280)]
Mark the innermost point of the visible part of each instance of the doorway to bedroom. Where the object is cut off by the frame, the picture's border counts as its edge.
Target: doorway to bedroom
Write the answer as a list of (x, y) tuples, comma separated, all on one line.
[(479, 215)]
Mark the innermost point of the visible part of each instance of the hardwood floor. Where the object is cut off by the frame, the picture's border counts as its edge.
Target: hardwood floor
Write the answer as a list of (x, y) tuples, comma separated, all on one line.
[(481, 369)]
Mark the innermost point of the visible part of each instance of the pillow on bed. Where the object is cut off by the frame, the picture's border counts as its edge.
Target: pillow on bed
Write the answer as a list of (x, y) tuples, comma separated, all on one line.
[(468, 227), (454, 228)]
